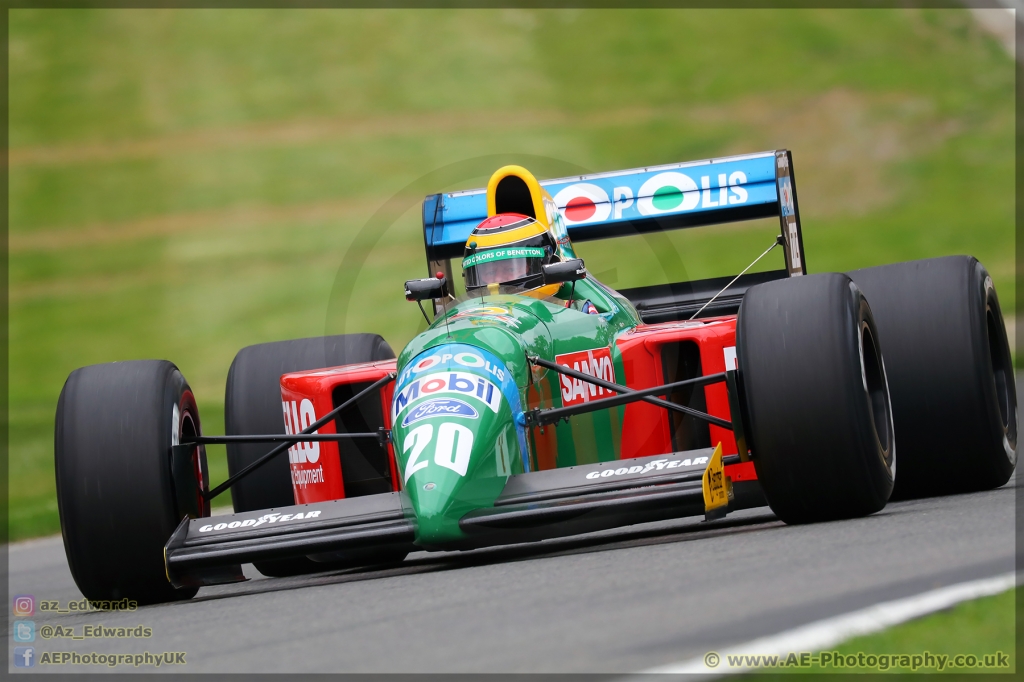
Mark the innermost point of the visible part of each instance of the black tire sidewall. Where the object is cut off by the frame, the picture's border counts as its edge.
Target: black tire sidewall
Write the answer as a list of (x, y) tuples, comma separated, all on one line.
[(116, 492), (811, 430), (1003, 436), (882, 436)]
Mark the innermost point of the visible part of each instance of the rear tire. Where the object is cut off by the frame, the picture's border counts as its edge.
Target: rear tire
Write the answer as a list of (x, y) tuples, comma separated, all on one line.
[(954, 398), (252, 404), (120, 494), (820, 427)]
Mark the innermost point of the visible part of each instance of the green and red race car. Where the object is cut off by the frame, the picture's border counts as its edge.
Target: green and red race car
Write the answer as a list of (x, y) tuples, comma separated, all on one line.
[(541, 403)]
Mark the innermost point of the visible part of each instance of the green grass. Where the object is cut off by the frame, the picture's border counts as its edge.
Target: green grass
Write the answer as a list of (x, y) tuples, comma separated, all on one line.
[(980, 628), (187, 182)]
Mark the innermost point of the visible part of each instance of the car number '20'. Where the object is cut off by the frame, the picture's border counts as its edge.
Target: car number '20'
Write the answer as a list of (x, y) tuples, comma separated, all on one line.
[(454, 444)]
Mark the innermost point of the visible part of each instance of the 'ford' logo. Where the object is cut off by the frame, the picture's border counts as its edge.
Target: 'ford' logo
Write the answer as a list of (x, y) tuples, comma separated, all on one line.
[(440, 407)]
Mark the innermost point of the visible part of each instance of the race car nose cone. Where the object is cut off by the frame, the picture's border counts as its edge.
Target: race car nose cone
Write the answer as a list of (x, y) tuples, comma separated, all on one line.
[(455, 436)]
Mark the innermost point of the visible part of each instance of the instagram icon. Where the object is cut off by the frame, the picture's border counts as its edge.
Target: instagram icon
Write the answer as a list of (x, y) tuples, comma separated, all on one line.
[(24, 605)]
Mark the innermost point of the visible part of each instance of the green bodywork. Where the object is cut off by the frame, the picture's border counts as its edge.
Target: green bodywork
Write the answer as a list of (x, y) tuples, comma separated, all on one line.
[(452, 464)]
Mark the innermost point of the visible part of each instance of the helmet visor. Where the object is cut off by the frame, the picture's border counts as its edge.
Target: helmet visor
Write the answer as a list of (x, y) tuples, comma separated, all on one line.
[(507, 265)]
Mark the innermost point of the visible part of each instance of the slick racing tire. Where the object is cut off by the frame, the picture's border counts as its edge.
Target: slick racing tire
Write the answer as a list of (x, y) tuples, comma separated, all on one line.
[(814, 385), (121, 491), (954, 399), (252, 404)]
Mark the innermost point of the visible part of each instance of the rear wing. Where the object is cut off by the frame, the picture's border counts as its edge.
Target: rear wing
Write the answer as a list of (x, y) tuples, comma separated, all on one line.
[(642, 200)]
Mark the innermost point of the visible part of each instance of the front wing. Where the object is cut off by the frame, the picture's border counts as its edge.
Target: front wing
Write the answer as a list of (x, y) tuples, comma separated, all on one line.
[(532, 506)]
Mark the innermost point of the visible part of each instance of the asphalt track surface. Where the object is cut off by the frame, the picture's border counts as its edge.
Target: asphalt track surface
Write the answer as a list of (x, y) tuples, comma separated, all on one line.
[(616, 601)]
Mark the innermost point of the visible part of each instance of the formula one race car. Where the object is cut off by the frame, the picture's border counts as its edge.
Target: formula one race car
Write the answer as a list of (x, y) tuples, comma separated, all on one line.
[(541, 403)]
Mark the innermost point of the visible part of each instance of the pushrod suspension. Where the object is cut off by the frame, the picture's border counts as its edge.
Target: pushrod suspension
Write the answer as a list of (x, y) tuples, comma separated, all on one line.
[(276, 438), (627, 395), (288, 441)]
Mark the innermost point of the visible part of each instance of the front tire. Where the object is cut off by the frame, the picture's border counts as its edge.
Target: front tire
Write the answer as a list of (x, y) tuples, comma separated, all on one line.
[(120, 491), (820, 426)]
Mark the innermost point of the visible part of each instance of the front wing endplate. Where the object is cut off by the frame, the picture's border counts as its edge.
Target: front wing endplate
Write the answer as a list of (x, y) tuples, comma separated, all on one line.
[(716, 487)]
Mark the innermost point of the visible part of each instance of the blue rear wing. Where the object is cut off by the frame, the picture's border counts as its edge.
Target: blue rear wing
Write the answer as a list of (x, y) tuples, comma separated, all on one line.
[(655, 199)]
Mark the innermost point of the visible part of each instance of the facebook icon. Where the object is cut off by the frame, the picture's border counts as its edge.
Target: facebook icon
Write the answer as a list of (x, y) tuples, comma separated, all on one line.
[(24, 657)]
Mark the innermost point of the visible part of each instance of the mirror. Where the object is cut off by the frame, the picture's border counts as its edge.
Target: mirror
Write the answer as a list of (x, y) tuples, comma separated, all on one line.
[(566, 271), (423, 289)]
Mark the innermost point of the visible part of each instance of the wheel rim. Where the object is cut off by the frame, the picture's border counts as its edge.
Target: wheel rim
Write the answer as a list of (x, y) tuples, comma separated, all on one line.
[(184, 428), (1001, 368), (188, 430), (873, 375)]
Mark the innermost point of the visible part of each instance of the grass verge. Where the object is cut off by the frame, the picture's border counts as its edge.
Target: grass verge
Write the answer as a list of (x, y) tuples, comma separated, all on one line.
[(980, 632)]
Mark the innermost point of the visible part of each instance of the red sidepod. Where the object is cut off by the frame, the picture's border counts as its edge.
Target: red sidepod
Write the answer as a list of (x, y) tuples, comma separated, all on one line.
[(645, 429), (316, 468), (308, 396)]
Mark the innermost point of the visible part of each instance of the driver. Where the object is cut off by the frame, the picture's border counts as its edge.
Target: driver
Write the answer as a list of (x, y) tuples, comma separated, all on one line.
[(510, 250)]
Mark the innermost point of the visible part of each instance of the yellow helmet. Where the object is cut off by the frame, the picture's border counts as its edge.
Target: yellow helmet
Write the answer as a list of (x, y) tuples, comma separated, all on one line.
[(521, 215), (510, 250)]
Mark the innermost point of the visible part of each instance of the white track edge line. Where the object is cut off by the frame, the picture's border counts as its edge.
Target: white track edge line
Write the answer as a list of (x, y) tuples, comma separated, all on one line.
[(832, 631)]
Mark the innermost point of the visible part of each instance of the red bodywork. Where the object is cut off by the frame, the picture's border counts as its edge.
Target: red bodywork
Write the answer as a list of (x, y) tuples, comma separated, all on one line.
[(317, 386), (316, 471), (645, 430)]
